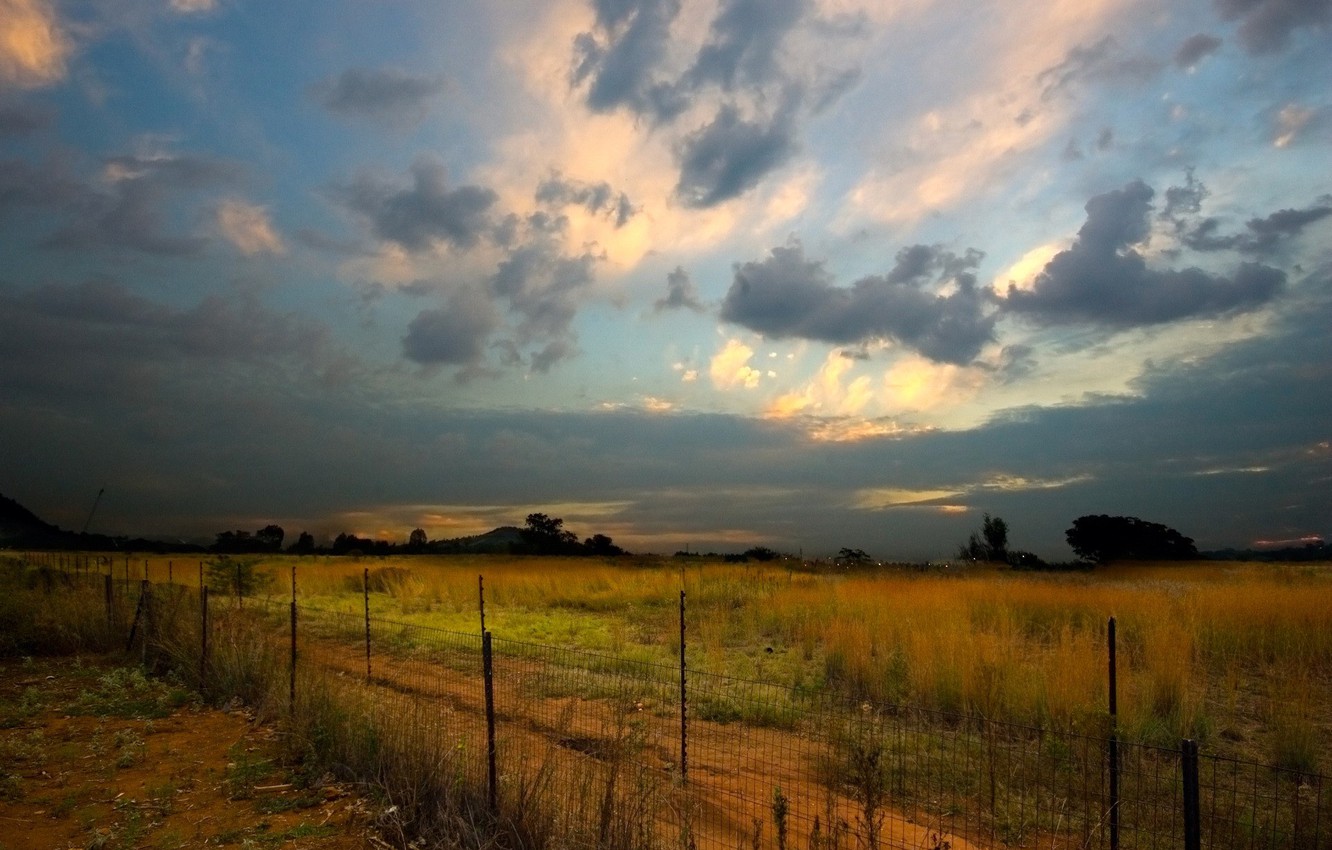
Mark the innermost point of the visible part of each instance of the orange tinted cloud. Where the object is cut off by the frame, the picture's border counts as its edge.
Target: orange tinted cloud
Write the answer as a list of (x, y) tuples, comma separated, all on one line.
[(33, 49)]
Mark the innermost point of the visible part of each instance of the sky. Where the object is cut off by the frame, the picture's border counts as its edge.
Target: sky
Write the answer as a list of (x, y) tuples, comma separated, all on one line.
[(696, 274)]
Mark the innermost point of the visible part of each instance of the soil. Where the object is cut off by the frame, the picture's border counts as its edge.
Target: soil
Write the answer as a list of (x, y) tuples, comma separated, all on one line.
[(93, 755)]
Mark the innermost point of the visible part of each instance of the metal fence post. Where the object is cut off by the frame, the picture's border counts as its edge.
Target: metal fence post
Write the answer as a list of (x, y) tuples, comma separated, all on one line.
[(291, 694), (365, 591), (481, 597), (488, 674), (110, 605), (203, 640), (1192, 808), (1113, 743), (684, 702)]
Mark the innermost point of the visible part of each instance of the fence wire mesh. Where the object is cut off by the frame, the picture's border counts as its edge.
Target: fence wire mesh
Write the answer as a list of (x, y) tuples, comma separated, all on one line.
[(597, 750)]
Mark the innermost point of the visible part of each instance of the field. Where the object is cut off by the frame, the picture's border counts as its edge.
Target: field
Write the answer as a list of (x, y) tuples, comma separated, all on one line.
[(1237, 656), (899, 706)]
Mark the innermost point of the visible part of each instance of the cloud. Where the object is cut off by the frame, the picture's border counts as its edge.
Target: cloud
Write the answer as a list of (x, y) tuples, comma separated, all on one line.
[(387, 94), (729, 156), (34, 49), (1194, 49), (1266, 26), (103, 341), (622, 57), (787, 295), (1101, 280), (1102, 61), (1292, 121), (730, 367), (543, 286), (21, 119), (453, 335), (743, 42), (192, 7), (248, 228), (597, 198), (681, 293), (1261, 235), (131, 203), (426, 214)]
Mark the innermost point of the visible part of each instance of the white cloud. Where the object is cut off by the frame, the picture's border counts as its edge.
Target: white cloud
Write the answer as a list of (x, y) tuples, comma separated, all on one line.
[(730, 367), (193, 7), (248, 228)]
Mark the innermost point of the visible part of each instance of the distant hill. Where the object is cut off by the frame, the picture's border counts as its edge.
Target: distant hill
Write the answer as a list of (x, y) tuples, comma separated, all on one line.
[(21, 527), (498, 540)]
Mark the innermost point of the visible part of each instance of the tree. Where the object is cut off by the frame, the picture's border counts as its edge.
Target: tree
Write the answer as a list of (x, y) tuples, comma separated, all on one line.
[(304, 544), (269, 538), (546, 535), (995, 532), (1100, 539), (851, 557), (600, 544), (417, 540), (236, 576), (991, 544)]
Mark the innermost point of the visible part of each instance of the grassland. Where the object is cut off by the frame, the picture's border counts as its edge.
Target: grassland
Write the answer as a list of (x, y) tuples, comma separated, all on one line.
[(1238, 656)]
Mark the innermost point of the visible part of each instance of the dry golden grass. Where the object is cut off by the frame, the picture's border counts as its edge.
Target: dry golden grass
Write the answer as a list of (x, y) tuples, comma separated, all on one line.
[(1240, 653)]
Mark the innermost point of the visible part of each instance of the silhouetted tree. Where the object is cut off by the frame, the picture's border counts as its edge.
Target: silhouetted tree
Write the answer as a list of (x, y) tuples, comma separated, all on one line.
[(546, 535), (1100, 539), (304, 544), (991, 544), (269, 538), (851, 558), (600, 544), (417, 540), (995, 532)]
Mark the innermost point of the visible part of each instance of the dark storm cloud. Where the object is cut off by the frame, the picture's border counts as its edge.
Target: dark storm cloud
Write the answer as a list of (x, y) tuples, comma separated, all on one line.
[(787, 295), (1267, 25), (743, 42), (385, 94), (729, 156), (597, 198), (681, 293), (129, 208), (1195, 48), (622, 58), (427, 213), (1101, 280), (23, 119), (133, 210), (99, 339), (454, 335)]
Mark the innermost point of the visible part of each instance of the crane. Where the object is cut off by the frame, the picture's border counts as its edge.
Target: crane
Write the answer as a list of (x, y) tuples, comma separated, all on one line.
[(93, 511)]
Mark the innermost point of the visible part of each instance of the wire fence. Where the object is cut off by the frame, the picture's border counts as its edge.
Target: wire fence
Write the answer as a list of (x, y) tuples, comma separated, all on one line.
[(604, 751)]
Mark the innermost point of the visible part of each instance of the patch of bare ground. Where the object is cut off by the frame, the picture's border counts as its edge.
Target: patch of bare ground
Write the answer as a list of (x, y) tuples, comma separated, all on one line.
[(94, 755)]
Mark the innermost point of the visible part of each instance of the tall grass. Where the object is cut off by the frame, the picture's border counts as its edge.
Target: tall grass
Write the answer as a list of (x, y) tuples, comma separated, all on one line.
[(1203, 647)]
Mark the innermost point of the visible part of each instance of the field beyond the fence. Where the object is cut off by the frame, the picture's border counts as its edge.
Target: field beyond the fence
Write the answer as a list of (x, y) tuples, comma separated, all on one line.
[(896, 707)]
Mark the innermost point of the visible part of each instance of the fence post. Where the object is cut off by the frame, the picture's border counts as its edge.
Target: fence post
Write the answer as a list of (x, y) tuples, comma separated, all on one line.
[(481, 597), (488, 674), (203, 640), (365, 589), (291, 695), (1113, 742), (684, 704), (110, 608), (1192, 809), (147, 622)]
